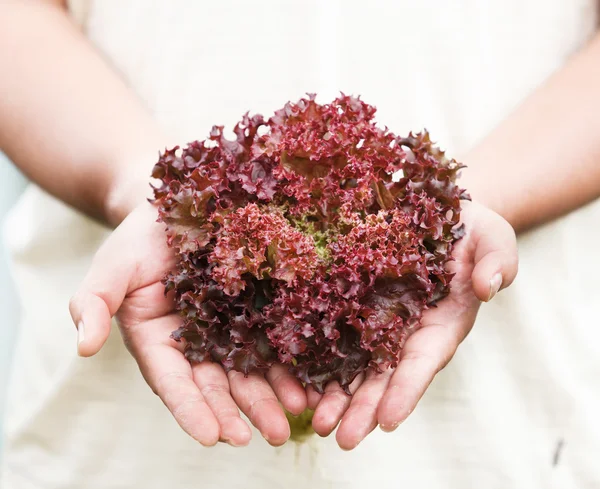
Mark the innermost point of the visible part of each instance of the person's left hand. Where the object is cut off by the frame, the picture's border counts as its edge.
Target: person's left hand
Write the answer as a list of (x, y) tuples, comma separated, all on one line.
[(485, 261)]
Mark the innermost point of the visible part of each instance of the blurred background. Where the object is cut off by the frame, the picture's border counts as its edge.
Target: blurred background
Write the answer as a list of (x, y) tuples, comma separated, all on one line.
[(12, 184)]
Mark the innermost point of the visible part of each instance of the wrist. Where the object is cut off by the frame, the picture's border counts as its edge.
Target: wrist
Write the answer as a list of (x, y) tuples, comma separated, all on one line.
[(130, 186), (485, 182)]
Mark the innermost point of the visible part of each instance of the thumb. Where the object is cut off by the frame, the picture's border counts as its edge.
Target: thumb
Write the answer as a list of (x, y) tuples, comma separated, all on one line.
[(496, 258), (101, 294)]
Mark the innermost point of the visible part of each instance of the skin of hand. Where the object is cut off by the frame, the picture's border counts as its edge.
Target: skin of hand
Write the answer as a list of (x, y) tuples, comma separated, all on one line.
[(485, 262), (125, 281)]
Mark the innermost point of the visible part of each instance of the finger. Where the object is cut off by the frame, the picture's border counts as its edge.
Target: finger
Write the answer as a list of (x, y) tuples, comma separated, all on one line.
[(170, 376), (332, 406), (313, 397), (287, 388), (361, 417), (214, 387), (425, 353), (496, 258), (258, 402), (114, 272)]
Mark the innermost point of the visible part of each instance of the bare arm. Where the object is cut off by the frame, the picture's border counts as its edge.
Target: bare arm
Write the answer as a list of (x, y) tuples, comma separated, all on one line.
[(66, 119), (544, 160)]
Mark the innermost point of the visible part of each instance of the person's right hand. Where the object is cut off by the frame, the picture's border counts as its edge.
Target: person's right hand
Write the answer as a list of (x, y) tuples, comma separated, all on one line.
[(125, 280)]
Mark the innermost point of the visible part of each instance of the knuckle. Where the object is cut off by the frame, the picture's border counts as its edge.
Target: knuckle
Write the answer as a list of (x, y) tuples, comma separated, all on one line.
[(171, 378), (184, 409), (433, 362), (276, 378), (226, 415), (363, 404), (214, 388), (254, 404), (336, 396), (416, 356)]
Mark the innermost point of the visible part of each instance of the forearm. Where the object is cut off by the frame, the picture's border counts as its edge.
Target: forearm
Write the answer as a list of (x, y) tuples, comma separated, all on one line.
[(544, 160), (66, 119)]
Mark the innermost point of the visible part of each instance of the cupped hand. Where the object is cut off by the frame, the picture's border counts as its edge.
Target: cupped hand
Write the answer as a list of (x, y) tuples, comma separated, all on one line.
[(485, 262), (125, 281)]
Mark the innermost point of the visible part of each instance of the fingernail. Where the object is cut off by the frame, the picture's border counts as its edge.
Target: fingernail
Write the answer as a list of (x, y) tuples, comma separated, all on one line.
[(388, 428), (230, 442), (80, 333), (495, 285)]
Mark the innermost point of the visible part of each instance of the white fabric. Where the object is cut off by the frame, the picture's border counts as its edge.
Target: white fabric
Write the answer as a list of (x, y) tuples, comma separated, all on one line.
[(524, 384), (11, 185)]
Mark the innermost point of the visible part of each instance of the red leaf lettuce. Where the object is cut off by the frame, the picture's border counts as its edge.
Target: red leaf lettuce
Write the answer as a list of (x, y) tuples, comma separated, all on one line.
[(296, 243)]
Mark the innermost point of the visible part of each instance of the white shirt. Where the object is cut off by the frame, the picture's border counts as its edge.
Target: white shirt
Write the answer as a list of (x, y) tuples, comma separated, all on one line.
[(522, 392)]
